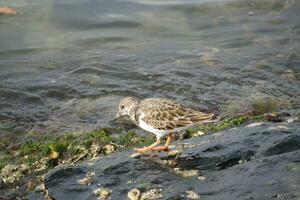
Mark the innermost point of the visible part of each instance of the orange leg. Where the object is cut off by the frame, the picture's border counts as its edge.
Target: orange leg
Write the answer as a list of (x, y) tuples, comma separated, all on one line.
[(153, 147), (144, 149), (166, 146), (169, 139)]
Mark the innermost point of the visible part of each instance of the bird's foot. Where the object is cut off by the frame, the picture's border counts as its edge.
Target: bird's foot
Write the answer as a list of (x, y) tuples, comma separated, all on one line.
[(142, 150), (145, 149), (160, 148)]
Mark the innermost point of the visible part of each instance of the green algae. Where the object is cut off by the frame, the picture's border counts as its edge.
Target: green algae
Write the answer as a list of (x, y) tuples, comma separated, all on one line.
[(219, 126), (131, 139), (256, 105), (265, 105), (56, 150)]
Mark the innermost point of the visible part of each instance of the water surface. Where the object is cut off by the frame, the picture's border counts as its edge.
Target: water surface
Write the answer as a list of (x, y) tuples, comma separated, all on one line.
[(65, 64)]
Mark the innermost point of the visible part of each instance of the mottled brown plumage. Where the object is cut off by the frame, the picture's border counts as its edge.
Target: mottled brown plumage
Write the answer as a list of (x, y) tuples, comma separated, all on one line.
[(161, 117), (165, 114)]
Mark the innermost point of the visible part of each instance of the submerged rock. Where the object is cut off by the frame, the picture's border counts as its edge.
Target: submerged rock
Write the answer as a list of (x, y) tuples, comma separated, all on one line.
[(152, 194), (252, 162), (192, 195), (134, 194), (187, 173), (103, 193), (87, 179)]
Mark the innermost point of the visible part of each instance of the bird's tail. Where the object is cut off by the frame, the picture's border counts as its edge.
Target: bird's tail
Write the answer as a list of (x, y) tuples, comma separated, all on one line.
[(200, 117)]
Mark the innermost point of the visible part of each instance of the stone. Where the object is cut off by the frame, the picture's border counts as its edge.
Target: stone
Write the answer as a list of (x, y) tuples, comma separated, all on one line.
[(134, 194), (252, 154), (95, 150), (152, 194), (187, 173), (202, 178), (192, 195), (109, 149), (103, 193), (12, 173), (87, 179)]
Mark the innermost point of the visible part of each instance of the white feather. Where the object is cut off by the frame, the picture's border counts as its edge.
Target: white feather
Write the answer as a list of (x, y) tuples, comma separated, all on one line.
[(159, 133)]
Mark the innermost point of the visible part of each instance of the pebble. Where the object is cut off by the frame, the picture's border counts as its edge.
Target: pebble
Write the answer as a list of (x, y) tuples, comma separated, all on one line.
[(289, 75), (174, 152), (192, 195), (53, 154), (134, 194), (290, 120), (187, 173), (255, 124), (87, 179), (40, 188), (31, 185), (95, 150), (152, 194), (199, 133), (202, 178), (251, 13), (11, 173), (109, 149), (103, 193)]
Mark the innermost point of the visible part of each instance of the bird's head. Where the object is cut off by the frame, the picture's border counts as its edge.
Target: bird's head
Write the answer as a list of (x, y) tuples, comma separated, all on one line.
[(126, 105)]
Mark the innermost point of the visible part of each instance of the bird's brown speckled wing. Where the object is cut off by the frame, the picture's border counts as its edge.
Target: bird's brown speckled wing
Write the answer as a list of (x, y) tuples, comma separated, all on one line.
[(157, 103), (164, 114)]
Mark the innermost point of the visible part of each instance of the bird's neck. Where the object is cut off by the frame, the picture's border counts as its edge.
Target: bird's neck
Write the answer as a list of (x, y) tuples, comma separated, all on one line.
[(132, 113)]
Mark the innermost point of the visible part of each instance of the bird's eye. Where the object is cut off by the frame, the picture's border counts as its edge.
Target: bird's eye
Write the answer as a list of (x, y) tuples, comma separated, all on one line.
[(122, 107)]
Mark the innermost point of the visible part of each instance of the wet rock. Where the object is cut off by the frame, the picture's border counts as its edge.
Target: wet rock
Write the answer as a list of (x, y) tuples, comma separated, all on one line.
[(174, 153), (276, 117), (152, 194), (84, 153), (202, 178), (5, 198), (287, 144), (12, 173), (40, 188), (41, 164), (95, 150), (266, 154), (134, 194), (192, 195), (186, 173), (103, 193), (294, 166), (30, 185), (87, 179), (289, 75), (109, 149)]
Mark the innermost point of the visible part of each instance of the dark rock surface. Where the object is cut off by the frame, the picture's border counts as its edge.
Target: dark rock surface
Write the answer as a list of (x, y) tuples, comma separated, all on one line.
[(259, 161)]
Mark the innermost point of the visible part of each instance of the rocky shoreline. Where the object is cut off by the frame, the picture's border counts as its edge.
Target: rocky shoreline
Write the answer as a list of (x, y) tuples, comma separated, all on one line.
[(23, 169), (257, 161)]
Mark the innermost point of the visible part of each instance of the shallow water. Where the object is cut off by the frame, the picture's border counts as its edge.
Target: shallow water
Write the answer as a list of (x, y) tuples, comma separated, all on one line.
[(65, 64)]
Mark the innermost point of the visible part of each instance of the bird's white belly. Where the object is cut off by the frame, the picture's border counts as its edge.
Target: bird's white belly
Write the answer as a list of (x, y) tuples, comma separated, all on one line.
[(157, 132)]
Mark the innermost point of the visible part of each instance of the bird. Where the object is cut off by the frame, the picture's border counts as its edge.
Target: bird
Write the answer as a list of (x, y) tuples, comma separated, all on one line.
[(161, 116)]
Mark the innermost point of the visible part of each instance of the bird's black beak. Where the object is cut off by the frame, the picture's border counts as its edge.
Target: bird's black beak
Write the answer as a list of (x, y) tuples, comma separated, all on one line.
[(117, 116)]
